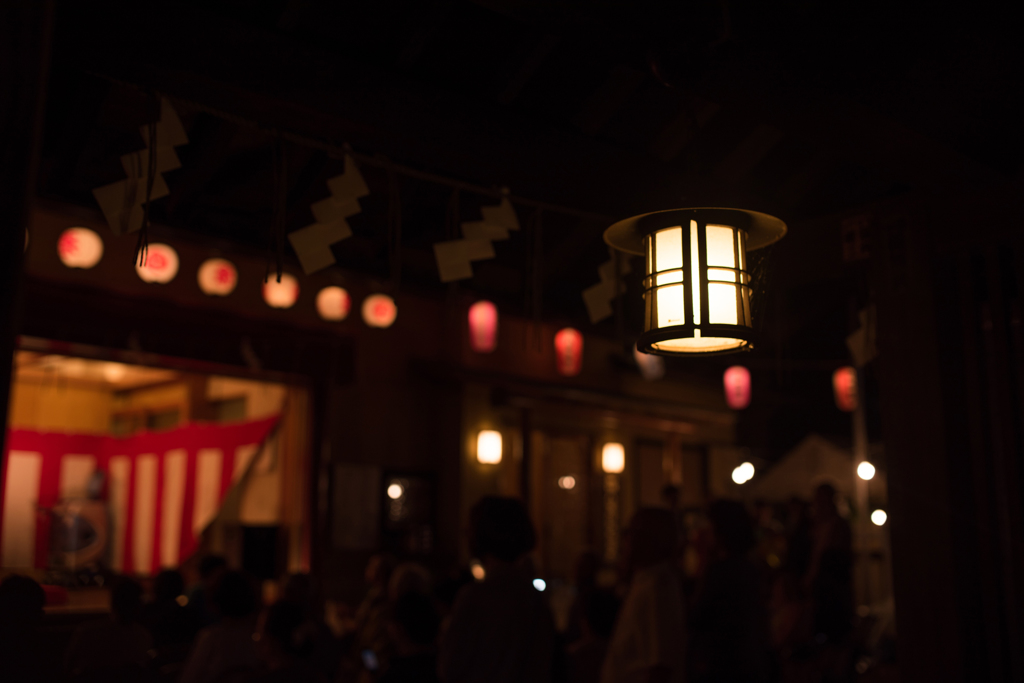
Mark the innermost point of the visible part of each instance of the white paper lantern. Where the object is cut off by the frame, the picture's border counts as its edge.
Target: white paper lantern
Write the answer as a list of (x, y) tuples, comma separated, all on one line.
[(379, 310), (333, 303), (78, 248), (159, 263), (281, 294), (217, 277)]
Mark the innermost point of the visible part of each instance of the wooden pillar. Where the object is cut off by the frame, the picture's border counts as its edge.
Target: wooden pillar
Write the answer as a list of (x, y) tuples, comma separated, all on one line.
[(25, 27)]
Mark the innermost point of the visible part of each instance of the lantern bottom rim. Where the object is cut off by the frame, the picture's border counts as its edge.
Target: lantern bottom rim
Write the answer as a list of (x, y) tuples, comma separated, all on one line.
[(685, 340)]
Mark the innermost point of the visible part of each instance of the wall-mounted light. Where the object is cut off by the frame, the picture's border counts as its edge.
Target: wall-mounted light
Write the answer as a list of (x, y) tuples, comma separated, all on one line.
[(78, 248), (488, 447), (866, 471), (483, 326), (613, 458), (743, 473), (697, 293)]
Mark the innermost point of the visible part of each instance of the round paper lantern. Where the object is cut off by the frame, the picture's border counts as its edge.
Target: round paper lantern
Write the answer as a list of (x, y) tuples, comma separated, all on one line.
[(78, 248), (379, 310), (333, 303), (878, 517), (866, 471), (844, 386), (743, 473), (488, 447), (569, 349), (651, 367), (737, 387), (567, 482), (613, 458), (483, 326), (159, 263), (217, 277), (281, 294), (697, 290)]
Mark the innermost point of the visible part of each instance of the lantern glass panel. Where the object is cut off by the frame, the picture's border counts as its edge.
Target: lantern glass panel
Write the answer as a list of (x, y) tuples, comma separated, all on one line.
[(695, 272), (669, 249), (722, 304), (721, 246), (671, 305)]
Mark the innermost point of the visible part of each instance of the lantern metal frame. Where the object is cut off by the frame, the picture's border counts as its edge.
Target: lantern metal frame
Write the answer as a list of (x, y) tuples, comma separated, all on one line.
[(757, 230)]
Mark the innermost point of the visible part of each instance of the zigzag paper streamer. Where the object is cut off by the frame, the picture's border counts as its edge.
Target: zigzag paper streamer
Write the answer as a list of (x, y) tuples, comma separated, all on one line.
[(313, 243), (455, 257), (121, 202), (598, 298)]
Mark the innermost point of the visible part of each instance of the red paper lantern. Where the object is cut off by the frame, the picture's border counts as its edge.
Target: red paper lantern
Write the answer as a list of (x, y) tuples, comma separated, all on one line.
[(569, 347), (483, 326), (737, 387), (379, 310), (844, 385)]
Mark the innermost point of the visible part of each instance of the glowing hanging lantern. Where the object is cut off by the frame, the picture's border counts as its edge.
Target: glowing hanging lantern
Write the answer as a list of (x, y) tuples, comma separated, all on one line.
[(379, 310), (613, 458), (866, 471), (737, 387), (217, 277), (844, 386), (78, 248), (483, 326), (488, 447), (159, 263), (333, 303), (569, 348), (651, 367), (697, 291), (281, 294)]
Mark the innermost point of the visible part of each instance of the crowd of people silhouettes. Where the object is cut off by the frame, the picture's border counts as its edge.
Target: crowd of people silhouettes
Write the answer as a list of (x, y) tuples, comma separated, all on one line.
[(739, 597)]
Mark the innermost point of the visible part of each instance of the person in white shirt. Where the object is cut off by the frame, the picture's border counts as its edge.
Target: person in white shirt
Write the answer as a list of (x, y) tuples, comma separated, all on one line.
[(648, 644)]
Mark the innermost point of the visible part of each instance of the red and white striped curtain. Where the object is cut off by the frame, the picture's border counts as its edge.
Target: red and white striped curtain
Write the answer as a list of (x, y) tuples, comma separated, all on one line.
[(162, 489)]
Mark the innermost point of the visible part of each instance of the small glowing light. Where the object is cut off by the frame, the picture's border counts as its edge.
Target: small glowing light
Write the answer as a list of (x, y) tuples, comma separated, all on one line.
[(478, 571), (878, 517), (379, 310), (281, 294), (159, 263), (488, 447), (217, 277), (567, 482), (114, 372), (78, 248), (737, 387), (743, 473), (181, 600), (613, 458), (333, 303), (844, 386), (540, 584), (395, 491), (483, 326), (569, 349), (866, 471)]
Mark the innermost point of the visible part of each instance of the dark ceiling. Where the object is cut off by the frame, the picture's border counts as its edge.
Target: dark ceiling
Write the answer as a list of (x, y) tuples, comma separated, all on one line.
[(807, 109)]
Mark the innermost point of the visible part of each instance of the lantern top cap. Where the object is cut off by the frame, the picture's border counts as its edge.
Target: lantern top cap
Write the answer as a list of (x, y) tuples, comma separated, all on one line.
[(628, 235)]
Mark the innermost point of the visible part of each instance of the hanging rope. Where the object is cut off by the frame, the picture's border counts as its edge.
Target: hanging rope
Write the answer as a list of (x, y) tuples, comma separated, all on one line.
[(394, 227), (142, 243), (279, 208)]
